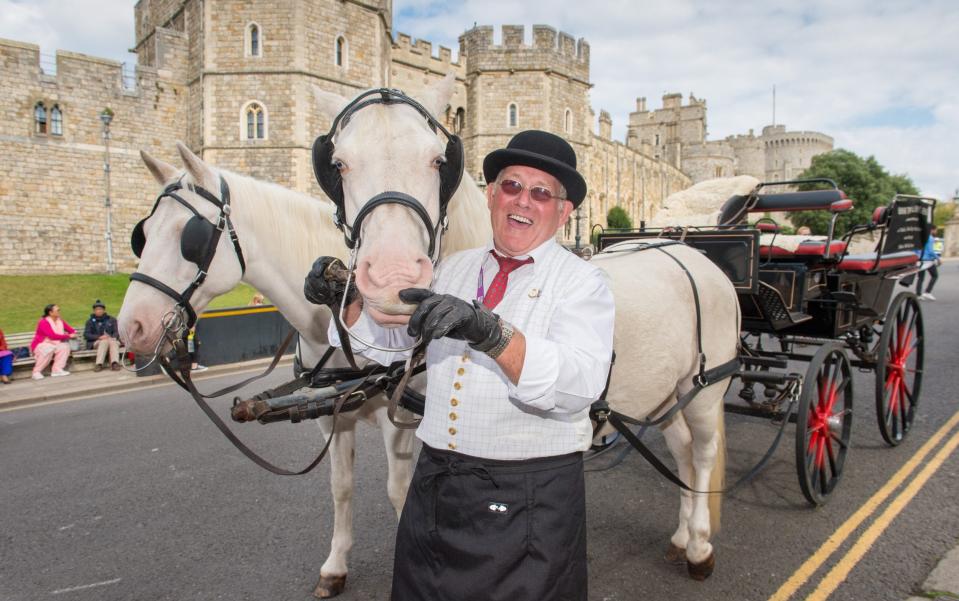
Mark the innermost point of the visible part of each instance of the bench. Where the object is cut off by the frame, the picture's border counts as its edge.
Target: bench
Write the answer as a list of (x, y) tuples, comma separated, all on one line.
[(23, 339)]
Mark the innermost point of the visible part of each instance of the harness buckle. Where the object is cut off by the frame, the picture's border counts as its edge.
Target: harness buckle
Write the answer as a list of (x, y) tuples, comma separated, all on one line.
[(700, 378)]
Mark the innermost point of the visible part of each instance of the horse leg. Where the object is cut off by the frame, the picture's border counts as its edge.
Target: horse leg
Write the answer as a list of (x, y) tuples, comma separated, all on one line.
[(399, 460), (341, 455), (680, 443), (705, 419)]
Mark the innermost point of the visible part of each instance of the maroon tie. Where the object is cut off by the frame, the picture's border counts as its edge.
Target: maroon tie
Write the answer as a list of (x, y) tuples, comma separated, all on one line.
[(498, 287)]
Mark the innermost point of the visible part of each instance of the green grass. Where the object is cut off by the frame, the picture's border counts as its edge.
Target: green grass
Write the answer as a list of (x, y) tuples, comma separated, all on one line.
[(24, 297)]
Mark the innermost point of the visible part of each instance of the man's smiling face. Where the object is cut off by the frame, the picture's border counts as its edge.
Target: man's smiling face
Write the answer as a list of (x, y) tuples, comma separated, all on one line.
[(520, 223)]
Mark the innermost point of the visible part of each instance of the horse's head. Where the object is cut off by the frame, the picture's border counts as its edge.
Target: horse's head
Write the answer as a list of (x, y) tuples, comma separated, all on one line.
[(176, 243), (390, 168)]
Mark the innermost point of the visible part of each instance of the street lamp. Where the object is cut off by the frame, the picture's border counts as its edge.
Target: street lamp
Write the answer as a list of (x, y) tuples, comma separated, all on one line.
[(106, 116), (578, 218)]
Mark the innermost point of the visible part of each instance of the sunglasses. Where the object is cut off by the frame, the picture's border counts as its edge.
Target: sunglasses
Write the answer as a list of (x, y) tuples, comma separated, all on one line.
[(512, 188)]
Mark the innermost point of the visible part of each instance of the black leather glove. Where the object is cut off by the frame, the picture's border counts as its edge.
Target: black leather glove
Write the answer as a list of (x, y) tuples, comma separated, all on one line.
[(322, 291), (444, 315)]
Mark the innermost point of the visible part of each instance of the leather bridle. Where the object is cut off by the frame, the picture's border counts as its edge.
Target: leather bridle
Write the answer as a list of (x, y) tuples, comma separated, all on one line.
[(199, 234)]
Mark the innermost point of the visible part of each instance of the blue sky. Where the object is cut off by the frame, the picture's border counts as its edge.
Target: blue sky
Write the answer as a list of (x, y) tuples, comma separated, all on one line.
[(880, 76)]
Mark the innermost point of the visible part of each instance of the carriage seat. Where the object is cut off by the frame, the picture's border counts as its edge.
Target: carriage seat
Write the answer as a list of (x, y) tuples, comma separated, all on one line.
[(801, 248), (867, 261)]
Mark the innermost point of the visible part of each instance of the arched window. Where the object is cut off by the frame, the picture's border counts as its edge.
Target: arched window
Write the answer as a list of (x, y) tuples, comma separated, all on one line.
[(56, 121), (512, 115), (340, 52), (254, 40), (568, 122), (40, 118), (459, 121), (255, 117)]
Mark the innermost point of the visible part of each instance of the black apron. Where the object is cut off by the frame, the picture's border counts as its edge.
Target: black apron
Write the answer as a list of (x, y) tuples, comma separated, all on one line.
[(485, 530)]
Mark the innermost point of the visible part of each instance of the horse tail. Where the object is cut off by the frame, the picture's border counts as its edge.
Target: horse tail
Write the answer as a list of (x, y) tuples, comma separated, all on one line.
[(717, 478)]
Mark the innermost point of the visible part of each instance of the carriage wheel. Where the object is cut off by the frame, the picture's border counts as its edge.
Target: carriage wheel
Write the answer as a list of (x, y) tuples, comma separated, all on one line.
[(899, 368), (823, 422)]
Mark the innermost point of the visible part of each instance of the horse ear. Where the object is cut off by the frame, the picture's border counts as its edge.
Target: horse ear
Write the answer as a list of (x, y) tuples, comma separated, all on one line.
[(162, 172), (437, 98), (328, 103), (202, 174)]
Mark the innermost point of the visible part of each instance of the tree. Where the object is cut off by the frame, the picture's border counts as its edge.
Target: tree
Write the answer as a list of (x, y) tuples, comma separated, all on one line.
[(944, 212), (865, 181), (618, 218)]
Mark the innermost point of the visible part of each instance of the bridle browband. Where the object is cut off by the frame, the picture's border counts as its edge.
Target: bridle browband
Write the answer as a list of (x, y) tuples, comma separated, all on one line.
[(451, 172), (199, 234)]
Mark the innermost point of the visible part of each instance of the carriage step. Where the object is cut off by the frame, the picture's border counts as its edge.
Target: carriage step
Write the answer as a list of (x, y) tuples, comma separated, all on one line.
[(774, 362)]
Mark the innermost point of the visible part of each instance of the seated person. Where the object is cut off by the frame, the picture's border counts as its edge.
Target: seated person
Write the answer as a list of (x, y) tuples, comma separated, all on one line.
[(6, 360), (804, 231), (101, 334), (50, 343)]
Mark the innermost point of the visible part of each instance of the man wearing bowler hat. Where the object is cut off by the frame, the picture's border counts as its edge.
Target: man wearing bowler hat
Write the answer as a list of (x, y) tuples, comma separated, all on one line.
[(520, 338)]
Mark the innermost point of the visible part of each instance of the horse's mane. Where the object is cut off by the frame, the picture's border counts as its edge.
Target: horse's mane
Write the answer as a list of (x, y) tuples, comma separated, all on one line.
[(298, 224)]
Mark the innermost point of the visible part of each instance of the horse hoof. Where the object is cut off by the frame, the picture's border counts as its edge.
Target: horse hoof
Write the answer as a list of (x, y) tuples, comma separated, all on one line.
[(675, 555), (703, 570), (329, 586)]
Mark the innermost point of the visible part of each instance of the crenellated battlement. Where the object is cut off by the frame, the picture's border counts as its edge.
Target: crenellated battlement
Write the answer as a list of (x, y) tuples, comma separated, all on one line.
[(419, 54), (72, 68), (550, 51)]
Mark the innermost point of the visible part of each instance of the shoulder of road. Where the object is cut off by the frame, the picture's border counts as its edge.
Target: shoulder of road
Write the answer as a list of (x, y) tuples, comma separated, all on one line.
[(24, 391)]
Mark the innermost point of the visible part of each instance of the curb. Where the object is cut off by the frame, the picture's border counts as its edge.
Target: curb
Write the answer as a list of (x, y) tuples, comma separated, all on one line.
[(64, 394)]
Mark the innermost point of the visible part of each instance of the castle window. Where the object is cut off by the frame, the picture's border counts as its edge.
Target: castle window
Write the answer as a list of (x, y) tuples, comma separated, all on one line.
[(656, 143), (719, 171), (512, 115), (568, 122), (459, 121), (341, 52), (255, 118), (56, 121), (254, 40), (40, 118)]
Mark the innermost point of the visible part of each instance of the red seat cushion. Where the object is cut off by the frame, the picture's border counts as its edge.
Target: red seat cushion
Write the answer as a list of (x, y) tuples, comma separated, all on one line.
[(807, 249), (867, 262)]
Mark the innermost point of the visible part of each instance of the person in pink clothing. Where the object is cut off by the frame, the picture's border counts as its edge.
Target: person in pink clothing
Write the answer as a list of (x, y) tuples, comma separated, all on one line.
[(50, 343)]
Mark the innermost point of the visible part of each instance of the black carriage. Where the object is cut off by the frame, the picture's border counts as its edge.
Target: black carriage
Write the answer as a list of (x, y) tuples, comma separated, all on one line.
[(814, 301)]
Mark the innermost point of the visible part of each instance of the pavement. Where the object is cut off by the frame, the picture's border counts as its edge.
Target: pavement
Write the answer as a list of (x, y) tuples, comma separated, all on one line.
[(942, 583), (24, 391)]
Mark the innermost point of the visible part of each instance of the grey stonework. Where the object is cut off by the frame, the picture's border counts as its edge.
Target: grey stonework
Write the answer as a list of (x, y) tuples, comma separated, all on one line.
[(197, 75)]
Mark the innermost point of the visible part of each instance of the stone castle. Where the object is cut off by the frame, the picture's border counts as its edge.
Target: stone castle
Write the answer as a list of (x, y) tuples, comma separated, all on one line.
[(232, 79)]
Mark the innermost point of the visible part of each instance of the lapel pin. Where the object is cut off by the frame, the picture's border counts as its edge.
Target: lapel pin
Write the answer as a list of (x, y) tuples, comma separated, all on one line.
[(534, 292)]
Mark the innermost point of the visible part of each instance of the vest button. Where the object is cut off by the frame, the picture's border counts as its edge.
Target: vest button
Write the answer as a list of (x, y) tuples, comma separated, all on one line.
[(452, 431), (457, 385), (453, 416), (454, 402), (451, 446)]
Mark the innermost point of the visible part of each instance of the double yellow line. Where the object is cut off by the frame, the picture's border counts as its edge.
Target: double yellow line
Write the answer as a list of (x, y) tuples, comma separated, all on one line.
[(838, 573)]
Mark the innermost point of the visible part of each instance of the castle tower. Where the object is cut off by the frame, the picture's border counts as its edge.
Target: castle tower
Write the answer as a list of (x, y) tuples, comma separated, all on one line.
[(788, 153), (250, 67), (516, 86), (668, 129)]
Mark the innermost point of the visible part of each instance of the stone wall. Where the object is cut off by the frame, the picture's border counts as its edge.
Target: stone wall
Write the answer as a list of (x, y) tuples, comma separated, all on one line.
[(709, 160), (618, 175), (52, 196), (414, 67)]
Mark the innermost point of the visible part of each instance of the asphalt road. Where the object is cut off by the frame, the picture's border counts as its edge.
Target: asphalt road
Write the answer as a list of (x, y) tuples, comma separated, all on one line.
[(137, 496)]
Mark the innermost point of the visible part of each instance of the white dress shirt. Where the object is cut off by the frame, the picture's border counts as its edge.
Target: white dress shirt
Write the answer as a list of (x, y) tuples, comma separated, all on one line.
[(564, 308)]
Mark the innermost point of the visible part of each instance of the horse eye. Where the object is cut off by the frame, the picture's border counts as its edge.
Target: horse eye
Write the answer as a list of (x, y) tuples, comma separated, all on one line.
[(439, 162), (339, 165)]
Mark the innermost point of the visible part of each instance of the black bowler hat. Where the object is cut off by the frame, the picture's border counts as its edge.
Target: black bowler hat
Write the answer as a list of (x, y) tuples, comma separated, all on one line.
[(99, 304), (541, 150)]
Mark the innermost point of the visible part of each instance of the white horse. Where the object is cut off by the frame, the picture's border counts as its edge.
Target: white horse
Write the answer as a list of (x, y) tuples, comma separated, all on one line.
[(391, 147), (280, 232)]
